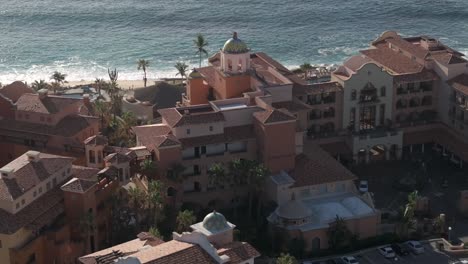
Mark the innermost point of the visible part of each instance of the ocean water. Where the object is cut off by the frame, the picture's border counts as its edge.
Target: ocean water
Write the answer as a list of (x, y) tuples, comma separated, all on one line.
[(82, 38)]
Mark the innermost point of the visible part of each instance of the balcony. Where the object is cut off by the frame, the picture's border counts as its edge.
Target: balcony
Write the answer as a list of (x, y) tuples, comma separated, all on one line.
[(368, 99)]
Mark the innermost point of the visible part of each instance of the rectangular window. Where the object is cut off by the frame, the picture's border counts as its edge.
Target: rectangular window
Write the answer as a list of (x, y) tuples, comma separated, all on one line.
[(188, 131), (22, 202), (48, 186), (17, 205), (40, 189), (211, 128), (34, 193)]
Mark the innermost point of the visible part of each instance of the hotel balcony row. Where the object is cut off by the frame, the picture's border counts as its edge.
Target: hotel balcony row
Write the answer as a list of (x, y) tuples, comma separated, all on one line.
[(317, 99), (315, 114), (218, 151), (413, 102), (412, 88)]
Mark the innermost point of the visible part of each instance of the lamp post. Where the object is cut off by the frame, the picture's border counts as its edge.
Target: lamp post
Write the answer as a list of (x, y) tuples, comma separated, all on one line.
[(449, 234)]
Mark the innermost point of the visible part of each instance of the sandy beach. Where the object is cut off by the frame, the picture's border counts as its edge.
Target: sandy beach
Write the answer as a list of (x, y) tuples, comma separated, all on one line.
[(124, 84)]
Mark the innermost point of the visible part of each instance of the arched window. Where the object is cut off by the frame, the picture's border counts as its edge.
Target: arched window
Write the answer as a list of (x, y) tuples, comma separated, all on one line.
[(239, 65), (229, 64), (382, 91), (92, 156)]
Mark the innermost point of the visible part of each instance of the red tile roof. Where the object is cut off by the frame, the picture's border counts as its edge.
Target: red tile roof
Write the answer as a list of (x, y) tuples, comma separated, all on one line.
[(175, 252), (460, 83), (209, 74), (318, 167), (117, 158), (28, 174), (425, 75), (238, 252), (273, 115), (446, 58), (49, 105), (392, 60), (15, 90), (78, 185), (96, 140), (10, 223), (67, 127), (407, 46)]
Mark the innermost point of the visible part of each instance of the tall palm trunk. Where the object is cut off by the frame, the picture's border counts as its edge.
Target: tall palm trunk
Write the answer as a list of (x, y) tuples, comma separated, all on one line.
[(145, 79), (200, 60)]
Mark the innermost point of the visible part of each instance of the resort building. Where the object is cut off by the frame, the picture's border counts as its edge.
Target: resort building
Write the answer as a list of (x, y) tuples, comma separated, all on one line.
[(246, 105), (210, 242), (43, 198), (399, 96), (44, 122)]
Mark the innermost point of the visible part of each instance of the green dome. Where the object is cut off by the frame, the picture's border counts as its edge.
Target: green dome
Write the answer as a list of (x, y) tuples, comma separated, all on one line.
[(235, 45), (195, 74), (215, 222)]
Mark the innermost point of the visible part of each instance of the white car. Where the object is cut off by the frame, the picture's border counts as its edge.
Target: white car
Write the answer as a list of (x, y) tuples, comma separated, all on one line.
[(349, 260), (415, 247), (387, 252), (363, 186)]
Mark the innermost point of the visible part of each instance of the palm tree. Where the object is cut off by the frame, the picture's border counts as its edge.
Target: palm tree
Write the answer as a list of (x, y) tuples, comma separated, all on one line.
[(39, 85), (217, 175), (200, 45), (136, 202), (124, 127), (102, 109), (305, 68), (175, 173), (148, 167), (256, 182), (154, 231), (181, 69), (338, 234), (100, 83), (59, 79), (286, 259), (143, 65), (184, 220), (155, 199)]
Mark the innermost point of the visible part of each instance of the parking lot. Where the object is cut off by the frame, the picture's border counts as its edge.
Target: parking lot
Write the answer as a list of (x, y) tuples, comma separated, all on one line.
[(431, 255)]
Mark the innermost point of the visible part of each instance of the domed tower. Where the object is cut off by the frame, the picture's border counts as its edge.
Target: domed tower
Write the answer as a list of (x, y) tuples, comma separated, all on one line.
[(235, 55), (216, 228)]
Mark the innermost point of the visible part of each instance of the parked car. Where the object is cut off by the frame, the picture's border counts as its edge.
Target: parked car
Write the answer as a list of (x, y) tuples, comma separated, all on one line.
[(334, 261), (363, 186), (387, 252), (349, 260), (415, 247), (461, 262), (400, 249)]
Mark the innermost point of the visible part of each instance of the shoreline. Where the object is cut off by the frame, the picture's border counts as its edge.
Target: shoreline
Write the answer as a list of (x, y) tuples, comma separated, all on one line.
[(123, 84)]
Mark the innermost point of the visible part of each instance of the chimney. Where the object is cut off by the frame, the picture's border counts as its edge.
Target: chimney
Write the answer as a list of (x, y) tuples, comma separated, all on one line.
[(86, 98), (6, 172), (33, 155), (43, 93)]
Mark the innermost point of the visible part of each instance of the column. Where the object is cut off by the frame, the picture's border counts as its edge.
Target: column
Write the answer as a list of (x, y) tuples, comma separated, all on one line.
[(411, 148), (367, 156), (422, 147)]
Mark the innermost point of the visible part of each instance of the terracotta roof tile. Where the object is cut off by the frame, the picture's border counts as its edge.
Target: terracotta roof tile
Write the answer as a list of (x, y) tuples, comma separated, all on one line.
[(392, 60), (407, 46), (84, 172), (28, 174), (49, 105), (78, 185), (318, 168), (10, 223), (15, 90), (423, 76), (69, 126), (117, 158), (96, 140), (273, 116), (238, 252), (460, 83), (209, 74), (447, 58)]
